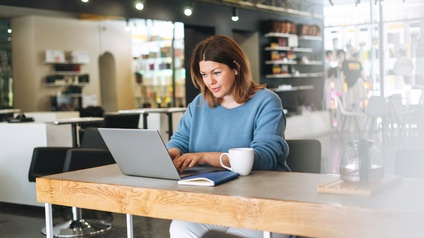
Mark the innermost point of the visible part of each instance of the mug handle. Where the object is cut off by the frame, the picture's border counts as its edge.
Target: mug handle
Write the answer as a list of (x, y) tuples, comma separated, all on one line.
[(222, 164)]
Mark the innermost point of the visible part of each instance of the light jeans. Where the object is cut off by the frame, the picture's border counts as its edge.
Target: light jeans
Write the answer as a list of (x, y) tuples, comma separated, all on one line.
[(184, 229)]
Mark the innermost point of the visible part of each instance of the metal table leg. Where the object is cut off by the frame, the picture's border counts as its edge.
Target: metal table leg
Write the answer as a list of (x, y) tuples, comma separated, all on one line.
[(49, 220), (130, 230)]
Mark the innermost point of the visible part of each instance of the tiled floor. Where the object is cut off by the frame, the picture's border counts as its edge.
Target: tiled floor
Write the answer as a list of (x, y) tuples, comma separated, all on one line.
[(26, 221)]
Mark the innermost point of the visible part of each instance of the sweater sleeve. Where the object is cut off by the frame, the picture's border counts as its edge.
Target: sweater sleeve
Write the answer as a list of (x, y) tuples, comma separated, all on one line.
[(181, 138), (271, 149)]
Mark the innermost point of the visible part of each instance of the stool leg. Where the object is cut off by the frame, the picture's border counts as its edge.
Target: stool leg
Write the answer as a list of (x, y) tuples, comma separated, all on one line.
[(78, 227)]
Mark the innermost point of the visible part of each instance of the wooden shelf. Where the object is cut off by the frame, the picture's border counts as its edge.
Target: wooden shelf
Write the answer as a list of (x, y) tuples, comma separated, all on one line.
[(66, 73), (64, 62), (288, 62), (315, 38), (286, 35), (300, 75), (277, 34), (294, 88), (286, 48), (292, 62), (73, 95), (64, 84)]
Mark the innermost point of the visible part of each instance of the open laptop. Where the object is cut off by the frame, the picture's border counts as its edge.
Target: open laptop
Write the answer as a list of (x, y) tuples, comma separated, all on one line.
[(142, 152)]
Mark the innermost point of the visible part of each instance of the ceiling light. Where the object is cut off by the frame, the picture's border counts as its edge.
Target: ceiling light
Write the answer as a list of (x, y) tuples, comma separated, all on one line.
[(139, 5), (188, 11), (84, 1), (235, 16)]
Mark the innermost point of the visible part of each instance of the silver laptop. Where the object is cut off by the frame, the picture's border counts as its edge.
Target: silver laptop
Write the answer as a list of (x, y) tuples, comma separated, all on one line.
[(142, 152)]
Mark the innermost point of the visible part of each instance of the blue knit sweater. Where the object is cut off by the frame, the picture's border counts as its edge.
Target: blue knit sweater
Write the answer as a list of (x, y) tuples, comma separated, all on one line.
[(260, 124)]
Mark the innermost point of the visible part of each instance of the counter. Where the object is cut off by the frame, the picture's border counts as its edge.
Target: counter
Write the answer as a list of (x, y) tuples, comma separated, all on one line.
[(17, 142)]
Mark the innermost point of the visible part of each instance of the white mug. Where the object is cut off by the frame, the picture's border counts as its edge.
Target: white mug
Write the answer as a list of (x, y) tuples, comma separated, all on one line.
[(241, 160)]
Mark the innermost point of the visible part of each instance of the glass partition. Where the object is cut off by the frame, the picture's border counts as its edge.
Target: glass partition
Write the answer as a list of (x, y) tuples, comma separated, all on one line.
[(391, 29)]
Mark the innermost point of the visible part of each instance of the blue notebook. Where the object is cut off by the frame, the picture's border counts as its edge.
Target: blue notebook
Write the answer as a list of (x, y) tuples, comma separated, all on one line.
[(209, 178)]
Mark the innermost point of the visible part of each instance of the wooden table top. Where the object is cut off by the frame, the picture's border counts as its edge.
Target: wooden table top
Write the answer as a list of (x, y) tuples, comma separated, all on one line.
[(271, 201)]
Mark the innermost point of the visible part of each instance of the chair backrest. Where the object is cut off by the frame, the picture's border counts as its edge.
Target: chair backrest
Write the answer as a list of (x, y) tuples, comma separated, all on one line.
[(396, 107), (92, 139), (304, 155), (409, 163), (377, 106), (91, 111), (78, 158), (46, 161), (114, 120), (343, 110), (93, 152)]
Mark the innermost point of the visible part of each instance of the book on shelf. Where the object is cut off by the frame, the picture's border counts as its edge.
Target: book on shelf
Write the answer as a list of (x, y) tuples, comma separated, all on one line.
[(209, 178)]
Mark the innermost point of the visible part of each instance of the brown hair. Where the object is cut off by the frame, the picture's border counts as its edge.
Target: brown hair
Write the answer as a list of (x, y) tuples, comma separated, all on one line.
[(224, 50)]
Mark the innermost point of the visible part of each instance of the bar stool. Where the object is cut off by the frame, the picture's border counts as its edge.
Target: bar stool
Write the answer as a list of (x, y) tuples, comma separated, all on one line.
[(377, 108), (51, 160), (353, 116)]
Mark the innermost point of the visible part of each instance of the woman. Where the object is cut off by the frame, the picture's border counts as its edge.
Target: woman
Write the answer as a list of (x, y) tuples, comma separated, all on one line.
[(231, 111)]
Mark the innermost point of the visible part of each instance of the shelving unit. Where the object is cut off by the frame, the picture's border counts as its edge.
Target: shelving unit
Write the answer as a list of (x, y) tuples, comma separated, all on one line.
[(293, 64), (159, 65), (66, 73)]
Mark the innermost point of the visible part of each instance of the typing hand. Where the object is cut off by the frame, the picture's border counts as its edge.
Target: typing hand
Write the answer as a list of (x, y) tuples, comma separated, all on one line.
[(188, 160)]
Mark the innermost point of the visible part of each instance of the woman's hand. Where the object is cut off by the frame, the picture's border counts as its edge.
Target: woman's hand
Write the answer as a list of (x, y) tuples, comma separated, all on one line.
[(174, 153), (191, 159)]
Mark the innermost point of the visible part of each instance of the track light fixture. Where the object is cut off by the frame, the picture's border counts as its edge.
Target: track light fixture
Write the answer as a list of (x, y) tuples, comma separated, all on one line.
[(235, 16), (139, 5), (128, 27), (188, 10), (9, 28)]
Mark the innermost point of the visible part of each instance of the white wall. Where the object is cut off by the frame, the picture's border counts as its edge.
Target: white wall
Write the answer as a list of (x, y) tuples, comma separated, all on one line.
[(32, 35)]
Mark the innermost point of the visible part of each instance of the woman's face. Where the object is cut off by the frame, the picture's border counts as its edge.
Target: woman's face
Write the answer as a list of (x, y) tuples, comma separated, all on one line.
[(218, 78)]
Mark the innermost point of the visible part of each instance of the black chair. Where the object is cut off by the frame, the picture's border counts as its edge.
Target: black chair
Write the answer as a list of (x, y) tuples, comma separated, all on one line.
[(77, 159), (47, 161), (51, 160), (409, 163), (304, 155), (114, 120)]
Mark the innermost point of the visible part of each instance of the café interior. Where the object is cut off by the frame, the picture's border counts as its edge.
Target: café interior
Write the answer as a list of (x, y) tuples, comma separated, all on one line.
[(70, 65)]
